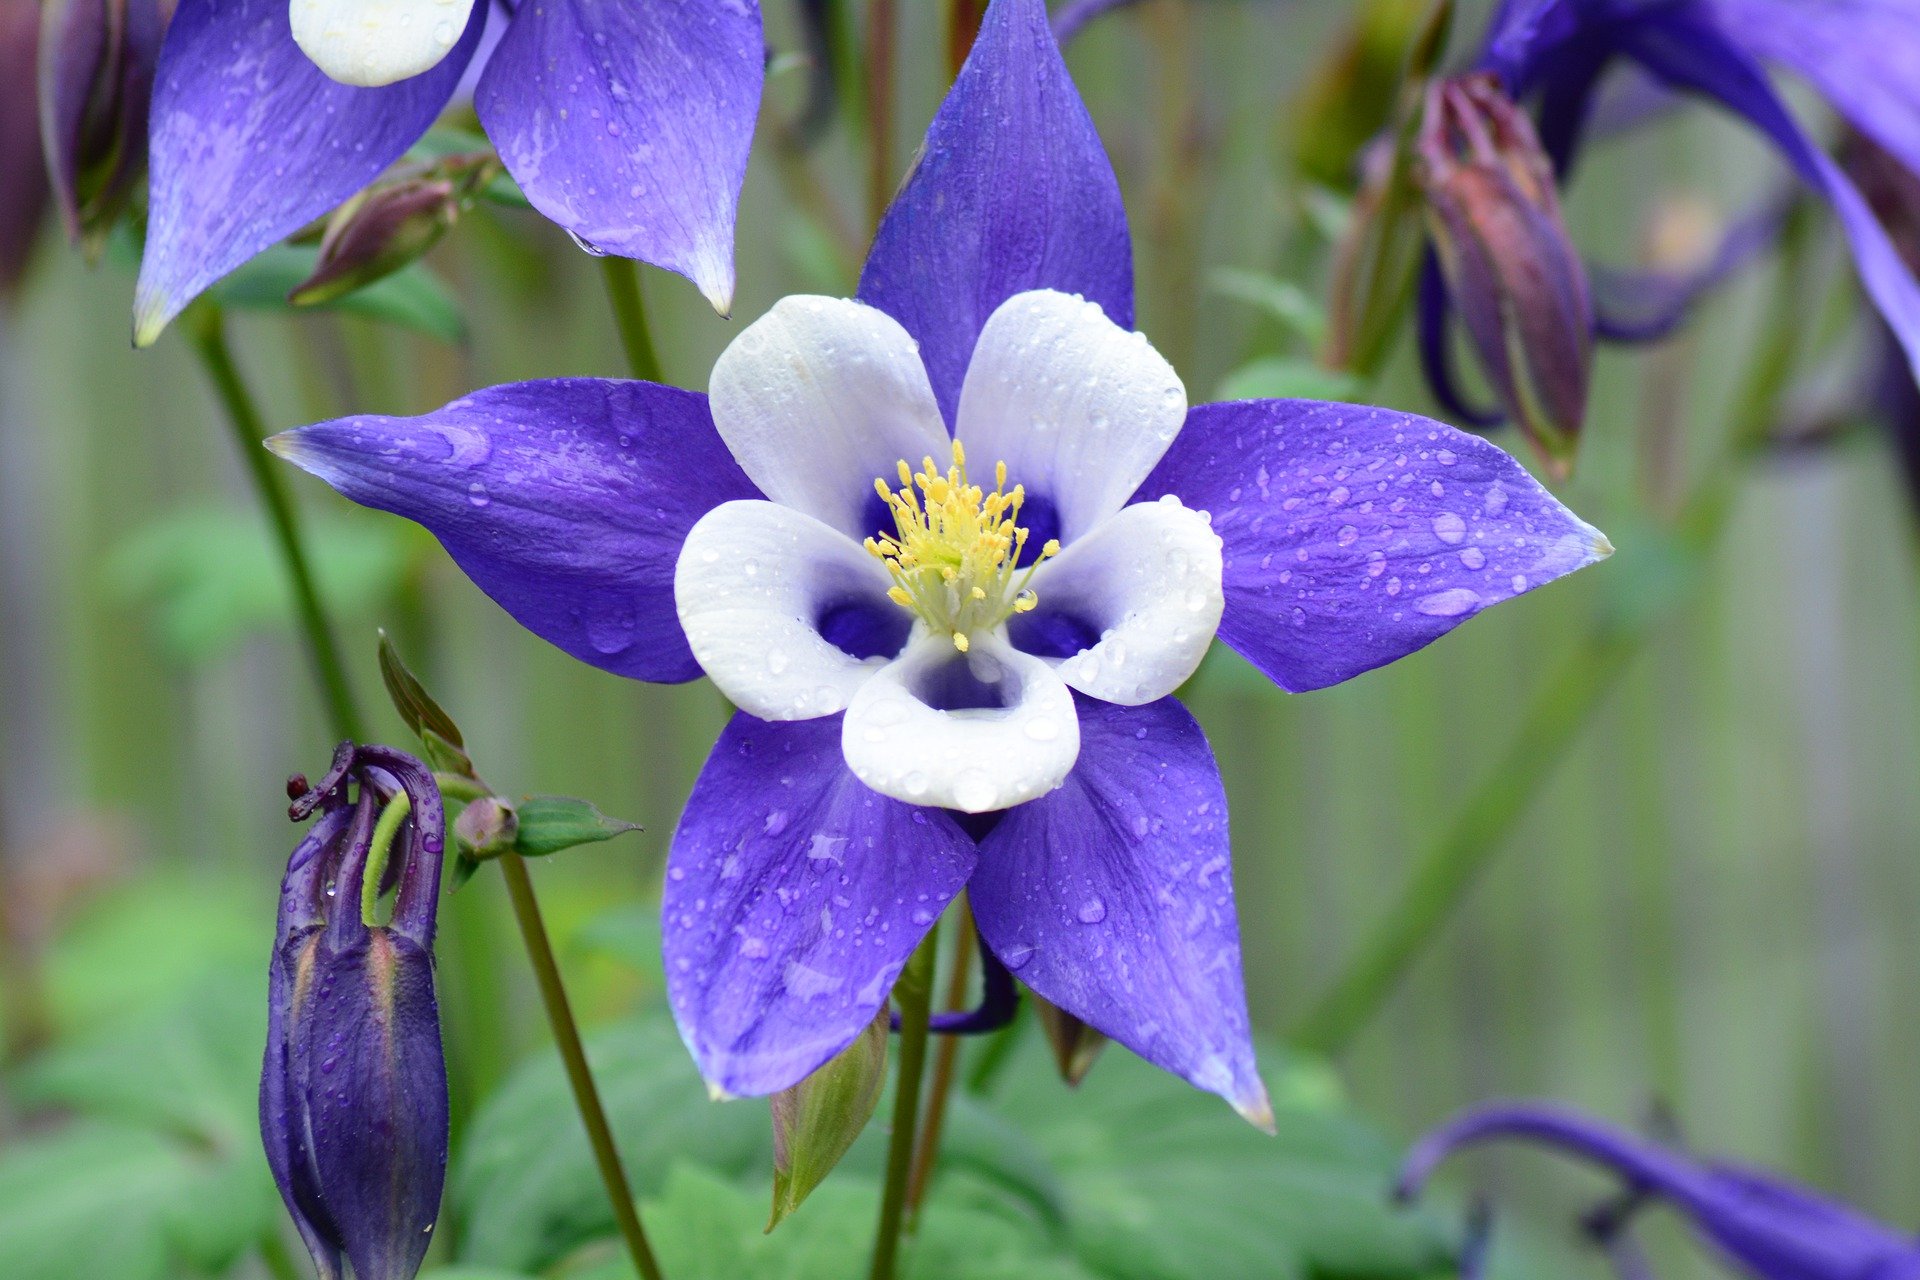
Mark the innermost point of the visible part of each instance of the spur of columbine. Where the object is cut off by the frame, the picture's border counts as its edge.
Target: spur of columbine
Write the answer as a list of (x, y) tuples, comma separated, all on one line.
[(941, 685), (1761, 1224), (627, 124)]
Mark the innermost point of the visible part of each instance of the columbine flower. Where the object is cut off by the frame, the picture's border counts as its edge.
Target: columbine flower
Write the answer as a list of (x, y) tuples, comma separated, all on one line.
[(949, 547), (1764, 1225), (628, 124), (1858, 55), (353, 1091)]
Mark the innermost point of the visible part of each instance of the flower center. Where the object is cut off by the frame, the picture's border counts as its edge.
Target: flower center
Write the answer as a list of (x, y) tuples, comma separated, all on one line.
[(954, 554)]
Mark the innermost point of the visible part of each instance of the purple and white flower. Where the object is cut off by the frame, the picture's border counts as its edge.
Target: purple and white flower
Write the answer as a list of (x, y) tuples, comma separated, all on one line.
[(947, 681), (627, 124), (1861, 56)]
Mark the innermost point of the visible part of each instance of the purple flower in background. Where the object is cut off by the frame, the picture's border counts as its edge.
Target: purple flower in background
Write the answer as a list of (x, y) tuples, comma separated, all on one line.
[(1862, 56), (353, 1090), (948, 681), (628, 124), (1763, 1225), (23, 168)]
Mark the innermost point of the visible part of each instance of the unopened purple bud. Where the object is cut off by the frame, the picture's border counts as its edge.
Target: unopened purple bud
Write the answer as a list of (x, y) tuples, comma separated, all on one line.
[(1508, 261), (353, 1090), (23, 171), (378, 234), (97, 60), (1892, 191)]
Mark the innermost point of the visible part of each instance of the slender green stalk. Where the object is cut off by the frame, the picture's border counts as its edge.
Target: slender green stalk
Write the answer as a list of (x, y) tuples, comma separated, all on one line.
[(586, 1095), (1568, 701), (622, 277), (883, 39), (945, 1060), (249, 429), (913, 994)]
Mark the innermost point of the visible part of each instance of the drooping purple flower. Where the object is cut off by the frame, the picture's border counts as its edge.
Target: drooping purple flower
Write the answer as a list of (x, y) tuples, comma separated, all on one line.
[(353, 1089), (950, 547), (1764, 1225), (627, 124), (1862, 56)]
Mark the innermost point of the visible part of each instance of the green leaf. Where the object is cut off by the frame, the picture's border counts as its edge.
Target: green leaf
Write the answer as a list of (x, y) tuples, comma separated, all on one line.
[(549, 824), (1165, 1183), (1281, 378), (524, 1180), (702, 1228), (212, 577), (91, 1200), (1299, 311), (177, 1091), (817, 1120), (411, 299), (445, 748)]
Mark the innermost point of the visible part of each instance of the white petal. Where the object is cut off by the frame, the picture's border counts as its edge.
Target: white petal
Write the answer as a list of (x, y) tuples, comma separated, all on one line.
[(376, 42), (750, 584), (977, 759), (819, 398), (1078, 408), (1148, 579)]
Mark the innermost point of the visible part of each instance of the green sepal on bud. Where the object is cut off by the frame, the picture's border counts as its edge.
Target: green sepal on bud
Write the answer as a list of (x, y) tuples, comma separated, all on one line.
[(549, 824), (388, 227), (816, 1121), (445, 750), (1076, 1046), (1376, 261)]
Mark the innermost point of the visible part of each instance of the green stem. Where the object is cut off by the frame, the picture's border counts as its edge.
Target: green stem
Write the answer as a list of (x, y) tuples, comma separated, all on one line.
[(622, 277), (249, 429), (945, 1060), (913, 993), (883, 38), (1567, 703), (573, 1055)]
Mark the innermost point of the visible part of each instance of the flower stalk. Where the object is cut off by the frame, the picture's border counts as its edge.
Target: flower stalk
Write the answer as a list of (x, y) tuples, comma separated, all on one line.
[(243, 416), (622, 277), (945, 1059), (573, 1056), (913, 993)]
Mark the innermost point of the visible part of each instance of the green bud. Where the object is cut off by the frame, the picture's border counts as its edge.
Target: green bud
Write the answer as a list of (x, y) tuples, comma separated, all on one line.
[(487, 828), (549, 824), (817, 1120)]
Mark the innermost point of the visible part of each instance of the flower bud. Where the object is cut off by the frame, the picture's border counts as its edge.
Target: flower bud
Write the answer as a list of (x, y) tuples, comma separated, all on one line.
[(1507, 260), (487, 828), (23, 172), (1076, 1046), (97, 61), (353, 1089), (387, 228)]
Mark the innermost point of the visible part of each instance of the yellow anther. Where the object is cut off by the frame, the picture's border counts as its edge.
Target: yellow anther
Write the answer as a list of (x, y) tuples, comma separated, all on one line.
[(955, 549)]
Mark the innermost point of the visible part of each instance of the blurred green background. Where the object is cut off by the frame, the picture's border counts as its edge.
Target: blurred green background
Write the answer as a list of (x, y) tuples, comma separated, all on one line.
[(1709, 909)]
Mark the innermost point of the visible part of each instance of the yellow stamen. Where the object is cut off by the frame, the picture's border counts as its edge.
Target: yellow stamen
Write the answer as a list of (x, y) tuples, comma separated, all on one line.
[(955, 550)]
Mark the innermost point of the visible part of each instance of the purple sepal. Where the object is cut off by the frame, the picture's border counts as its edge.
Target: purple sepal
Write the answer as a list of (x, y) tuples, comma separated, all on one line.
[(251, 141), (353, 1088), (1354, 536), (1687, 49), (794, 896), (1013, 191), (566, 501), (1767, 1226), (1112, 898), (629, 124)]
